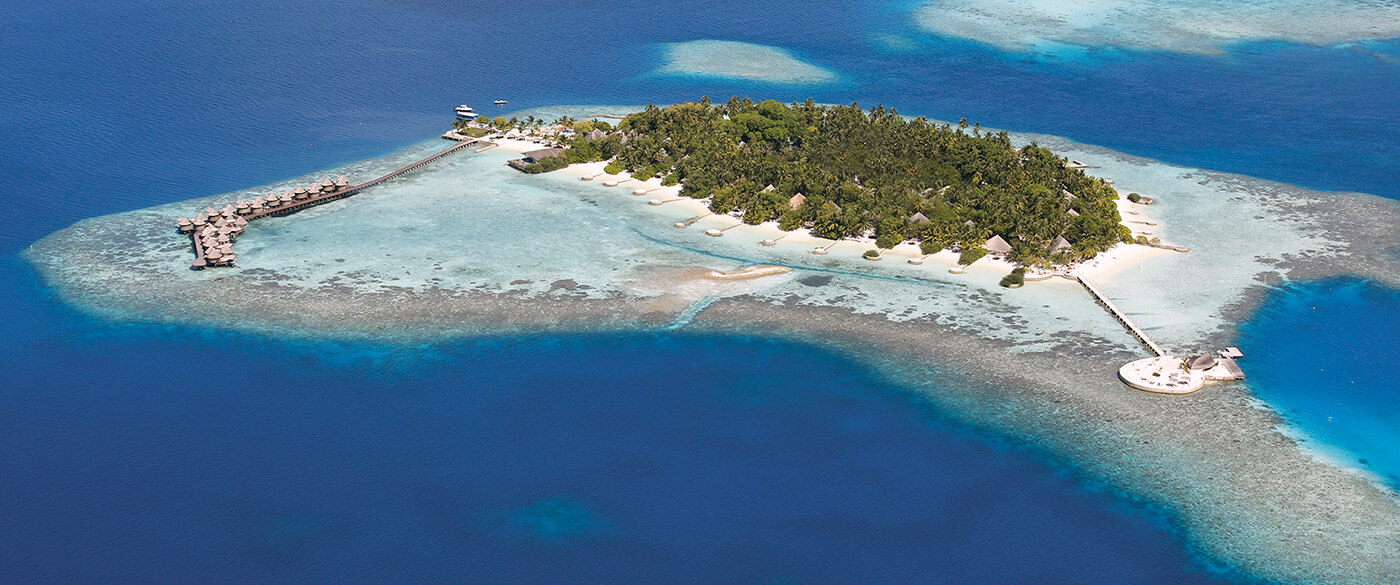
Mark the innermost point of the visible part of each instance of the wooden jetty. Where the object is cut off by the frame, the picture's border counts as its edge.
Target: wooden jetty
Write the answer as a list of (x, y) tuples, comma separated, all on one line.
[(212, 232), (1120, 316)]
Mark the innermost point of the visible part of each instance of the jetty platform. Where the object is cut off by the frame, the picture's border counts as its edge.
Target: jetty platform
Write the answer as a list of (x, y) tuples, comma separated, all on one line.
[(212, 231), (1165, 373)]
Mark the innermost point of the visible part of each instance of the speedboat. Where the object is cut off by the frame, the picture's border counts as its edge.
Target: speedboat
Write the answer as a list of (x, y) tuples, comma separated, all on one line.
[(501, 102)]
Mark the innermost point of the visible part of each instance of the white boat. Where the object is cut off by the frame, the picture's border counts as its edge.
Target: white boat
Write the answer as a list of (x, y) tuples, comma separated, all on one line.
[(500, 102), (466, 113)]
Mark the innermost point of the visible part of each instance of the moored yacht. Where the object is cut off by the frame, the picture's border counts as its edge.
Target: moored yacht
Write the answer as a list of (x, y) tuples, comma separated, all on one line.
[(466, 113)]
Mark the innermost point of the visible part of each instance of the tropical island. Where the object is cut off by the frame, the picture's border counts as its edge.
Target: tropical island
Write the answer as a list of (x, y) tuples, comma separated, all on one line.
[(434, 257), (843, 172)]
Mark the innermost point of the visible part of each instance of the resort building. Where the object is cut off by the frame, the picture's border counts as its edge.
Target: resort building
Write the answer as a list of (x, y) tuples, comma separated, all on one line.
[(997, 246), (534, 157)]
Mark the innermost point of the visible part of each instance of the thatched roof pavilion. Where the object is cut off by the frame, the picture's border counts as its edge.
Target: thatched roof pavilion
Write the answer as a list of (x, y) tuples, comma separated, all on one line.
[(996, 245)]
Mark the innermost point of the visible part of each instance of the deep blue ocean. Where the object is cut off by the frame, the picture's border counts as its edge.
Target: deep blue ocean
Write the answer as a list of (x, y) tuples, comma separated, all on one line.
[(568, 459)]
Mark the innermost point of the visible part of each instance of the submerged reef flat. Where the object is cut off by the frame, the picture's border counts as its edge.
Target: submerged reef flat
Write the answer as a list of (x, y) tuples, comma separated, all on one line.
[(745, 61), (1183, 26), (471, 247)]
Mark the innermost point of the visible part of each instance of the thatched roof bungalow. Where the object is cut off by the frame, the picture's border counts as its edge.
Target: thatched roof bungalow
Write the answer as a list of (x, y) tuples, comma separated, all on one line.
[(997, 246)]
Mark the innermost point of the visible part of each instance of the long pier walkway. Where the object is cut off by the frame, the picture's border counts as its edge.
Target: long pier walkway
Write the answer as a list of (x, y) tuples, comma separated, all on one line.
[(213, 231), (1120, 316), (332, 196)]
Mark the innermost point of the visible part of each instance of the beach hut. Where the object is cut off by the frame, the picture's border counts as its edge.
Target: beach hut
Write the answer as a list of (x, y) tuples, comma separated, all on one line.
[(595, 135), (342, 182), (1060, 244), (200, 220), (997, 246), (769, 189), (1074, 213), (327, 185), (535, 156), (918, 217), (796, 200), (1068, 196)]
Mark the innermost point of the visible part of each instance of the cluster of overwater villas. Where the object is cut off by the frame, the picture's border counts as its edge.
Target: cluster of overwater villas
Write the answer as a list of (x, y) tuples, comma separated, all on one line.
[(213, 231)]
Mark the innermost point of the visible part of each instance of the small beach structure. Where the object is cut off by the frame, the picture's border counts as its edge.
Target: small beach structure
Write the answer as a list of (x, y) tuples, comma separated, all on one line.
[(534, 157), (997, 246)]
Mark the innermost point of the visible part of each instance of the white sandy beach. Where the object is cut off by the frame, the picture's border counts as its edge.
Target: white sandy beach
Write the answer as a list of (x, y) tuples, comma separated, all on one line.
[(1102, 266)]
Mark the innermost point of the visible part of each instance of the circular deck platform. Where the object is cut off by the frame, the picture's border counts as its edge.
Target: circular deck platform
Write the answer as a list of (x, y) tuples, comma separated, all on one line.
[(1161, 374)]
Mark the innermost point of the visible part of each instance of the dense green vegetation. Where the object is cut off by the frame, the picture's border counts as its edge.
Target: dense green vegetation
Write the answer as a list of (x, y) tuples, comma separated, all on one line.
[(865, 172), (970, 254), (552, 163), (1016, 278)]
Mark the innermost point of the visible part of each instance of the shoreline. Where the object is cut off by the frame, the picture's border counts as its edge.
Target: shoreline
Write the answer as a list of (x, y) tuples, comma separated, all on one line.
[(1104, 264)]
